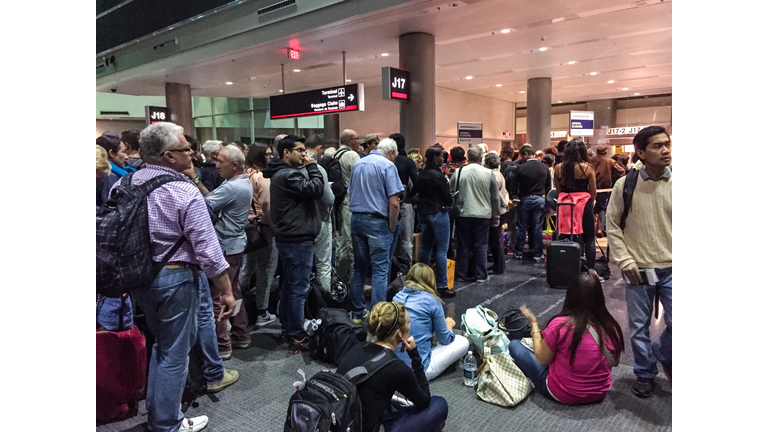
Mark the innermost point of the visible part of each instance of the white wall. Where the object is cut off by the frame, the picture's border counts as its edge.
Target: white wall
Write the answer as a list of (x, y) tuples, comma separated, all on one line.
[(133, 104), (382, 117)]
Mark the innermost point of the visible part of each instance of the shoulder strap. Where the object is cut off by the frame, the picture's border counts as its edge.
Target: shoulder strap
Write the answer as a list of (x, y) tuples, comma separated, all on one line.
[(629, 189), (368, 369), (338, 154), (607, 354)]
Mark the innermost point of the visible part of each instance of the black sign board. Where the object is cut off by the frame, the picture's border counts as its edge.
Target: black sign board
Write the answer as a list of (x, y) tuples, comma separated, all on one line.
[(395, 84), (317, 102), (157, 114)]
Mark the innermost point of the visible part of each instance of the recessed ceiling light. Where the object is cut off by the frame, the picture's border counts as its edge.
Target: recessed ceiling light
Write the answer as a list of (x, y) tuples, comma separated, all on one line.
[(385, 54), (593, 73), (349, 80), (505, 31), (637, 94), (297, 70), (498, 85), (228, 83), (469, 77), (625, 88), (543, 49), (571, 62), (611, 82)]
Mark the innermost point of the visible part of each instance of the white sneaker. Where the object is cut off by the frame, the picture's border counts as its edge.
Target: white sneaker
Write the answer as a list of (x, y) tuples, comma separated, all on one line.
[(265, 319), (194, 424)]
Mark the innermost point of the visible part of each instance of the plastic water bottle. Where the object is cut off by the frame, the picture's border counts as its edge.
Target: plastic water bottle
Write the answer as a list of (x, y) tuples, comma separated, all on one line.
[(470, 370)]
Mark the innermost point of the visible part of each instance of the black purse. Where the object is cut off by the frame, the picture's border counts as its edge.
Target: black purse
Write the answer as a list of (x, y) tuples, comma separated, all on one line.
[(254, 233), (516, 324)]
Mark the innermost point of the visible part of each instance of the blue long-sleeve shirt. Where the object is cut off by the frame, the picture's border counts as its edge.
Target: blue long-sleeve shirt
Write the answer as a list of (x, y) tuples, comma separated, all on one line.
[(427, 317)]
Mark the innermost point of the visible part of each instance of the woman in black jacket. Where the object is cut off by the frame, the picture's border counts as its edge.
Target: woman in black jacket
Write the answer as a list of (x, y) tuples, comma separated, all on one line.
[(388, 326), (434, 198)]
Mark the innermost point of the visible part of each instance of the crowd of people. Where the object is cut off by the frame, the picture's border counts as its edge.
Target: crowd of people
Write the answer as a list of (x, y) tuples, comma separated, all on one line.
[(352, 212)]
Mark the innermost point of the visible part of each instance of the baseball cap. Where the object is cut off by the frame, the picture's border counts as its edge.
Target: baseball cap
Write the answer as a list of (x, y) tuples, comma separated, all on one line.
[(370, 137)]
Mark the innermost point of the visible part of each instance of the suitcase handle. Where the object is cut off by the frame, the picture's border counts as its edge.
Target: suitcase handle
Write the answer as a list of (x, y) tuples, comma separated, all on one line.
[(557, 212)]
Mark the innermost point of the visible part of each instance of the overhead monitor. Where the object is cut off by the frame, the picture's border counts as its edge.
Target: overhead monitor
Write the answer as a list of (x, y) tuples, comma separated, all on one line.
[(318, 102), (395, 84)]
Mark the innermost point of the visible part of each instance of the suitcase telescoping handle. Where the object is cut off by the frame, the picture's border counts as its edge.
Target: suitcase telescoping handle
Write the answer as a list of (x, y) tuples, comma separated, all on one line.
[(573, 207)]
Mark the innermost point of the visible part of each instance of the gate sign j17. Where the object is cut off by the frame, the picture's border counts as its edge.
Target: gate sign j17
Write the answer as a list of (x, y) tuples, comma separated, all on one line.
[(318, 102), (395, 84), (582, 123)]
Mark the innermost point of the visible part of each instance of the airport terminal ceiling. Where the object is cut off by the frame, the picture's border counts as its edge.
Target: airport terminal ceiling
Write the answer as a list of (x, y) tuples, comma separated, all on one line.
[(592, 49)]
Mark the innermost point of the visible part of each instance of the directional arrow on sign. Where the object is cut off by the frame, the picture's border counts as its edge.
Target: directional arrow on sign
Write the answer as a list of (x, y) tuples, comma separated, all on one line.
[(351, 98)]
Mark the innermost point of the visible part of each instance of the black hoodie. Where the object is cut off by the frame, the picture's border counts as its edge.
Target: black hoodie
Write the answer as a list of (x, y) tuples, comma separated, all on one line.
[(292, 194)]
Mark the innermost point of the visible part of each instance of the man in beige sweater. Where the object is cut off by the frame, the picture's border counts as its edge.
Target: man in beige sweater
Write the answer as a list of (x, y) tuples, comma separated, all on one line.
[(642, 248)]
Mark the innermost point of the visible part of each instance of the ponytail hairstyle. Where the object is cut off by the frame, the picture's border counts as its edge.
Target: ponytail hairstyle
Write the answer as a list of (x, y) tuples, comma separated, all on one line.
[(421, 277), (385, 320)]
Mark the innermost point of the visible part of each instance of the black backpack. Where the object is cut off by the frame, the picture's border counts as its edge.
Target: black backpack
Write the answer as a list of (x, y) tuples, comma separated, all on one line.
[(335, 336), (330, 402), (626, 194), (123, 248)]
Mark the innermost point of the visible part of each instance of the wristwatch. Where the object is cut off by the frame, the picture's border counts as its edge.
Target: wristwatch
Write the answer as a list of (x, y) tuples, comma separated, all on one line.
[(196, 180)]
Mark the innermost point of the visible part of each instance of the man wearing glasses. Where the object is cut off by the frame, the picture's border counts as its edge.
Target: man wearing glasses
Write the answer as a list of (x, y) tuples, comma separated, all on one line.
[(293, 207), (176, 210)]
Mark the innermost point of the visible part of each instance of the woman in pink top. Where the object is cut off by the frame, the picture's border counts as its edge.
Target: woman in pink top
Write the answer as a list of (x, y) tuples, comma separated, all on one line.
[(569, 363)]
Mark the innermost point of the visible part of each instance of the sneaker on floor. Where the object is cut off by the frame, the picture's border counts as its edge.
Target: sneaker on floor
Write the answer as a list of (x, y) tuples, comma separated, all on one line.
[(265, 319), (519, 257), (230, 377), (296, 346), (241, 344), (643, 387), (357, 318), (667, 370), (539, 259), (225, 355), (446, 293), (602, 280), (194, 424), (484, 280)]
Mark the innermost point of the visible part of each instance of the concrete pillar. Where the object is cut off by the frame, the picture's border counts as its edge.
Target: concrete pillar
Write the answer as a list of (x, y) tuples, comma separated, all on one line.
[(605, 118), (417, 117), (331, 130), (539, 107), (178, 99)]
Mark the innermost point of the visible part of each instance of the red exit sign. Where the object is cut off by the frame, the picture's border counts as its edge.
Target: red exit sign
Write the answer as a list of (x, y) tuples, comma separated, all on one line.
[(294, 54)]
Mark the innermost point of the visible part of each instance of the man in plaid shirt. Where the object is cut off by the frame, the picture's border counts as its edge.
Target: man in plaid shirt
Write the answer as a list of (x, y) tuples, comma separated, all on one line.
[(171, 303)]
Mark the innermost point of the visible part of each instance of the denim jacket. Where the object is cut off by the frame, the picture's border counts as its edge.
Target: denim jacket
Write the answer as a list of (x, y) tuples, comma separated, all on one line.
[(427, 317)]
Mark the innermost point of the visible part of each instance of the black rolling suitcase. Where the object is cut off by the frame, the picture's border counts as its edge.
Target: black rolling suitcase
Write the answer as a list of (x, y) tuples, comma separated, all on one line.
[(563, 258)]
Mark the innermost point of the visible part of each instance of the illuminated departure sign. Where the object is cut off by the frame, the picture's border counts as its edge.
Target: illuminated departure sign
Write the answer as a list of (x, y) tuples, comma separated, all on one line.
[(469, 133), (157, 114), (317, 102), (294, 54), (582, 123), (395, 84)]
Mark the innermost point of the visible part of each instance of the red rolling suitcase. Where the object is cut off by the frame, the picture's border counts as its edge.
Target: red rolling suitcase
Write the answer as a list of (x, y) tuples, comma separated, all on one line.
[(563, 258), (121, 373)]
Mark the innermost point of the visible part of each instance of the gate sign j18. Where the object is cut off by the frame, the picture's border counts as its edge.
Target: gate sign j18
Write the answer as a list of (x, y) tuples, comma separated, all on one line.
[(395, 84), (157, 114), (582, 123), (317, 102), (470, 133)]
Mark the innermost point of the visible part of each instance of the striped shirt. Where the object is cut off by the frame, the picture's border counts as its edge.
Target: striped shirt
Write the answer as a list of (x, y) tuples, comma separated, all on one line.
[(178, 209)]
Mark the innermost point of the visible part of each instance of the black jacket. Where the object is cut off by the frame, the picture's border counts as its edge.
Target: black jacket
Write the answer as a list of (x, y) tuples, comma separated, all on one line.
[(531, 178), (210, 176), (432, 189), (293, 206)]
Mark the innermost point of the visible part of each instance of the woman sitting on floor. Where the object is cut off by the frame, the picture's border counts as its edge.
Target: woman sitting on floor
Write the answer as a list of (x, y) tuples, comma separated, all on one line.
[(425, 309), (572, 359), (388, 326)]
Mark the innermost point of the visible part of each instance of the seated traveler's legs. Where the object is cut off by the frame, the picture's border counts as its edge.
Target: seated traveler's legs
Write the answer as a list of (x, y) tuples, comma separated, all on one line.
[(171, 305), (639, 311), (525, 359), (409, 420), (297, 266), (445, 355)]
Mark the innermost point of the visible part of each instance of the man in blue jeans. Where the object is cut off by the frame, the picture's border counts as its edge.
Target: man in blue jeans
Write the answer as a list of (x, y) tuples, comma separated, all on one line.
[(295, 186), (530, 183), (642, 248), (374, 201), (172, 303)]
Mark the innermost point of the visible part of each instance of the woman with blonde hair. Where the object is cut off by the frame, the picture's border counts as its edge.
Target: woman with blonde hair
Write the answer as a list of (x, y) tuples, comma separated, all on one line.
[(103, 168), (419, 295), (388, 327)]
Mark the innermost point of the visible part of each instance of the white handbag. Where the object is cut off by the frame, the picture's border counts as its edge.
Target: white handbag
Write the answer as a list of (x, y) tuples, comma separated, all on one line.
[(500, 381)]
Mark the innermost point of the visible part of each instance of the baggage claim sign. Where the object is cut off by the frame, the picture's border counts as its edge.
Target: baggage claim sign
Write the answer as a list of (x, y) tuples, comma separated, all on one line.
[(317, 102)]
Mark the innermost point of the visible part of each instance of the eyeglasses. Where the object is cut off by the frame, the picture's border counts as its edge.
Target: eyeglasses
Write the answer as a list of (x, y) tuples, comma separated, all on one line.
[(300, 150), (355, 138), (183, 150), (269, 155)]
